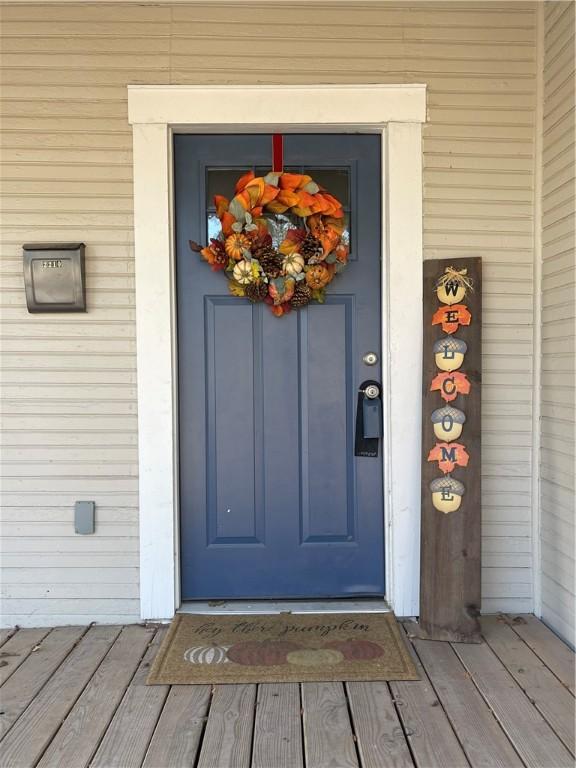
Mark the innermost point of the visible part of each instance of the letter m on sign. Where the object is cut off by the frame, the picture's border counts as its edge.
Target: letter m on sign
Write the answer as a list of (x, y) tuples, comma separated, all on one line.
[(448, 454)]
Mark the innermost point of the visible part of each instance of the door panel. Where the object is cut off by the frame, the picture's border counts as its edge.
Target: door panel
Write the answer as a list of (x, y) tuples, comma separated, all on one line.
[(273, 501)]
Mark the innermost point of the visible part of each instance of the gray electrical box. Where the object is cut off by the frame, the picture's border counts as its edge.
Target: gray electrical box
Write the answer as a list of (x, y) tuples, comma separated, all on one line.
[(54, 277), (84, 516)]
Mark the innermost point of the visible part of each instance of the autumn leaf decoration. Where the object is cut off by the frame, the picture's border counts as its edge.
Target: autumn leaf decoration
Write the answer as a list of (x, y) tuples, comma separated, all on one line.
[(449, 455), (451, 317), (310, 255), (451, 385)]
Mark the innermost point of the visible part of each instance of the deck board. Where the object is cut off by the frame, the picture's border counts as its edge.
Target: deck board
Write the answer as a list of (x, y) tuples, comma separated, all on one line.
[(427, 727), (6, 634), (176, 740), (328, 739), (482, 739), (228, 737), (549, 696), (126, 741), (379, 734), (17, 649), (25, 742), (554, 653), (21, 688), (78, 698), (532, 737), (277, 729), (81, 732)]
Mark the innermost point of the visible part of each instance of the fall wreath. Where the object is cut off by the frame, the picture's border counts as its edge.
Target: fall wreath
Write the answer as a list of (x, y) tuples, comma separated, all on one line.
[(287, 272)]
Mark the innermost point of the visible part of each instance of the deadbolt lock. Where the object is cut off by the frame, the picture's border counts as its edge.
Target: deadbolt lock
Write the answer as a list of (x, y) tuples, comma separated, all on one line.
[(370, 358)]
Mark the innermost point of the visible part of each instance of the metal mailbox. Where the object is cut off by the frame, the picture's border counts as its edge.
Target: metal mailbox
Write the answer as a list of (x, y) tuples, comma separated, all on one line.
[(54, 277)]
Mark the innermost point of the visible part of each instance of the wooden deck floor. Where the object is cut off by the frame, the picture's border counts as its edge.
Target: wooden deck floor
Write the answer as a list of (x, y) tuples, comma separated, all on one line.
[(75, 696)]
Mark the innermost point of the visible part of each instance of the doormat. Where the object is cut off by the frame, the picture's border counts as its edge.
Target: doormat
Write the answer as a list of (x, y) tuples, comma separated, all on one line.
[(282, 648)]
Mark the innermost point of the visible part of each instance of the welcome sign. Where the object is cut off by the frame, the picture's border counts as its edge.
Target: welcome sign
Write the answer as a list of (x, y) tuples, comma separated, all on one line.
[(451, 507)]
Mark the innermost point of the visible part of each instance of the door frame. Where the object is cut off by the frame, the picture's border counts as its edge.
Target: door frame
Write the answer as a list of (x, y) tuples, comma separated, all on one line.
[(396, 112)]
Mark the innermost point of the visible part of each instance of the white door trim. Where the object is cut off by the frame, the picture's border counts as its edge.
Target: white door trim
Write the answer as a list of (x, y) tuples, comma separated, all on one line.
[(397, 113)]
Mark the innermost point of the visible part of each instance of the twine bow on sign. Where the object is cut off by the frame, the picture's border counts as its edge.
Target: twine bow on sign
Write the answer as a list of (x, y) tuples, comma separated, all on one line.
[(458, 276)]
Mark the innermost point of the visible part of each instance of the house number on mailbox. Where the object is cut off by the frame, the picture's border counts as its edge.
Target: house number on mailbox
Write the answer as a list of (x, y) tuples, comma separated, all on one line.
[(52, 264)]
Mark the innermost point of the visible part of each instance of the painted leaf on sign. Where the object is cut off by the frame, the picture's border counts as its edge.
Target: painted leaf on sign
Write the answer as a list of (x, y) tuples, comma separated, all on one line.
[(450, 385), (449, 455), (451, 317)]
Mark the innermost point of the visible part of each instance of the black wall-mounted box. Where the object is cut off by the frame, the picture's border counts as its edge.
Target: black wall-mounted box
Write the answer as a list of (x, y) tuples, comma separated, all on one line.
[(54, 277)]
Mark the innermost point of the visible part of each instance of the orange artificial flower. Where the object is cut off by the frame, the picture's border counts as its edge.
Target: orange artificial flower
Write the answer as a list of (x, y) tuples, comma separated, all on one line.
[(214, 254)]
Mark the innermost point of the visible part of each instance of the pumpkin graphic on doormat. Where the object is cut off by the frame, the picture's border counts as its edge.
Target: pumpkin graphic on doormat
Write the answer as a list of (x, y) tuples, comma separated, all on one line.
[(319, 657), (295, 271), (265, 653), (357, 650), (207, 654)]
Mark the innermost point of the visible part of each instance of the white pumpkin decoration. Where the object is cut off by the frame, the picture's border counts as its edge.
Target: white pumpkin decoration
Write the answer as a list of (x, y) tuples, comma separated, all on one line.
[(207, 654), (293, 264), (243, 272)]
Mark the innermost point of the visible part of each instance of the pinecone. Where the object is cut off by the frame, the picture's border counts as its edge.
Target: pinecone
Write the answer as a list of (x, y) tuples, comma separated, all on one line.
[(269, 259), (256, 291), (302, 295), (312, 250)]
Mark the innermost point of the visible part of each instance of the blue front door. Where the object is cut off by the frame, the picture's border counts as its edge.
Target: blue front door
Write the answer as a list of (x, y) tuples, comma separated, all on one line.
[(274, 503)]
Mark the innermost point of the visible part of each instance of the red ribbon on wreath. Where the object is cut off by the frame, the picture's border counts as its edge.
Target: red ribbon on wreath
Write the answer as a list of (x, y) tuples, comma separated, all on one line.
[(277, 153)]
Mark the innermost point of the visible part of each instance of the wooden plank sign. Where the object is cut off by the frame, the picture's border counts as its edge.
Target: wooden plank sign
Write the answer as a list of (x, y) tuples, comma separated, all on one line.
[(451, 509)]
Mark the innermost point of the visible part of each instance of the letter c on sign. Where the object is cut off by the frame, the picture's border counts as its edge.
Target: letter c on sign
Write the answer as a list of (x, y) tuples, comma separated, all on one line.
[(448, 386)]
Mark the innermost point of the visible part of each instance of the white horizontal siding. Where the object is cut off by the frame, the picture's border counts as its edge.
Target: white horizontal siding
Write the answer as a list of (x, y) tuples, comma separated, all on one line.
[(558, 423), (70, 405)]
